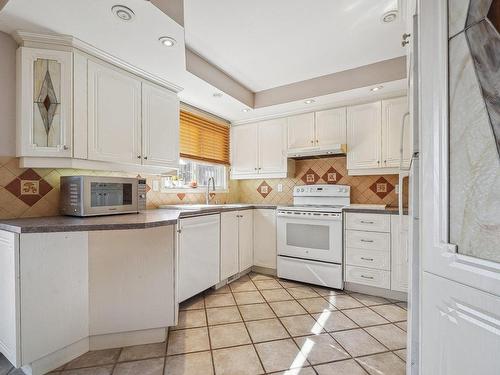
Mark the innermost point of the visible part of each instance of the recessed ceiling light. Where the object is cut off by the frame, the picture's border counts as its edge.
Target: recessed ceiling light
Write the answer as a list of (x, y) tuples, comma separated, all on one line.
[(389, 16), (376, 88), (123, 13), (217, 95), (309, 101), (245, 110), (167, 41)]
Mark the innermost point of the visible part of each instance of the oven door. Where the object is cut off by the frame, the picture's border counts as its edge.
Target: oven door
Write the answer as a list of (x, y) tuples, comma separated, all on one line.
[(109, 195), (310, 235)]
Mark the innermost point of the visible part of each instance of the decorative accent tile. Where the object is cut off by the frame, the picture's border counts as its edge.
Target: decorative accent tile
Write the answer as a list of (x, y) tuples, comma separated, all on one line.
[(382, 187), (181, 196), (29, 187), (264, 189), (310, 177), (332, 176)]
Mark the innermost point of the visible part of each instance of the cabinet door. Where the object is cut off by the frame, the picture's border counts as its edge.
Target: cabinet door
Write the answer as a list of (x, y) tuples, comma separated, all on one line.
[(44, 118), (244, 149), (245, 240), (114, 115), (160, 126), (199, 255), (229, 244), (393, 112), (264, 238), (364, 136), (331, 127), (271, 143), (399, 254), (300, 131)]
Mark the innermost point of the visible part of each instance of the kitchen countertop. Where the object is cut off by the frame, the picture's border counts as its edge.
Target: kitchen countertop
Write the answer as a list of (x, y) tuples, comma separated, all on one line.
[(146, 219), (385, 210)]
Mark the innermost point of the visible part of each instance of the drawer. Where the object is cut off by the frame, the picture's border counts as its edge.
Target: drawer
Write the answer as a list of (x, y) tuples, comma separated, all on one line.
[(369, 222), (368, 276), (311, 272), (380, 260), (368, 240)]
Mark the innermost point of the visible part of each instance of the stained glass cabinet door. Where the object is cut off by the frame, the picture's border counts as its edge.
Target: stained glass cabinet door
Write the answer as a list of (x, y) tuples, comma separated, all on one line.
[(44, 116)]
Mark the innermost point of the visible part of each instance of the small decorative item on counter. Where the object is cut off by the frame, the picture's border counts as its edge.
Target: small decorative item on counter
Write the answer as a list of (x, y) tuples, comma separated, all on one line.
[(193, 184)]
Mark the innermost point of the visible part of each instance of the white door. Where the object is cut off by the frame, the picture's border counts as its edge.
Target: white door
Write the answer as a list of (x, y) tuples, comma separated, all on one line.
[(229, 256), (364, 136), (460, 285), (198, 255), (44, 118), (245, 240), (271, 143), (114, 115), (399, 253), (264, 238), (160, 126), (244, 149), (393, 113), (301, 131), (331, 127)]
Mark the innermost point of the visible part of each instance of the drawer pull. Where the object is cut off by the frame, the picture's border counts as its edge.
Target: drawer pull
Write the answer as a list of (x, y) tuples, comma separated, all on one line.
[(366, 222), (369, 259), (367, 277), (362, 240)]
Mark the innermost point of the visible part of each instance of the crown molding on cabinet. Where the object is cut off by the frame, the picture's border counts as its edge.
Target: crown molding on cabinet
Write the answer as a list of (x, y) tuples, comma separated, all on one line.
[(68, 42)]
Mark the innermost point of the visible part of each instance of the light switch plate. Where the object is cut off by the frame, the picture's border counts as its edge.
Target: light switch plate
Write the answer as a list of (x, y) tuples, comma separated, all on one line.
[(156, 185), (280, 188)]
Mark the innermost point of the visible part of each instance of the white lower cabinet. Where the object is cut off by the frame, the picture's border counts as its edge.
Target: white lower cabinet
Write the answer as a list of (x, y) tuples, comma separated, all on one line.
[(229, 256), (44, 305), (376, 250), (245, 239), (198, 249), (264, 238)]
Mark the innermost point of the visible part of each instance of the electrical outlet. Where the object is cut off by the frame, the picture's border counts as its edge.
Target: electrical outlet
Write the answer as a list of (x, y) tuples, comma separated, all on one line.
[(396, 188), (280, 188), (156, 185)]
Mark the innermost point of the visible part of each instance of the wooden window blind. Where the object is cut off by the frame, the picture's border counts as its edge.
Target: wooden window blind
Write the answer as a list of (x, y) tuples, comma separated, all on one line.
[(202, 139)]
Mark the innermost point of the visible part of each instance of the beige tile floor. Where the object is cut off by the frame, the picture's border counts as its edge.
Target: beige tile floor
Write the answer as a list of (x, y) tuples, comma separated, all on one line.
[(264, 325)]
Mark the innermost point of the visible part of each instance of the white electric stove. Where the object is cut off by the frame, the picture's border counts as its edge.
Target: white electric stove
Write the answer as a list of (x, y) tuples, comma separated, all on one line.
[(309, 235)]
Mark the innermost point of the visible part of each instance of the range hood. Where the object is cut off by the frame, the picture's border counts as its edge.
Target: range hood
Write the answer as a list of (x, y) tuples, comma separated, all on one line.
[(335, 149)]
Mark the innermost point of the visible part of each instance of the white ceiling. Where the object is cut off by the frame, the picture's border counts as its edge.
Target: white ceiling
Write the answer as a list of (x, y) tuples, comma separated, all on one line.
[(295, 51), (265, 44)]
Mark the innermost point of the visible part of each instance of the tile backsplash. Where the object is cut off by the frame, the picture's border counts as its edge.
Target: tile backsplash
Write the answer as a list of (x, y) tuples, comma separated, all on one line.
[(380, 189), (26, 192)]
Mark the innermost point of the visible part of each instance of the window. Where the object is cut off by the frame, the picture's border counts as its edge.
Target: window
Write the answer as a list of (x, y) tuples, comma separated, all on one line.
[(203, 139), (194, 174)]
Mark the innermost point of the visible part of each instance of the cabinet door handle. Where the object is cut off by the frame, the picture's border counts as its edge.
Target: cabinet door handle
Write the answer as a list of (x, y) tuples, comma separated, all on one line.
[(312, 142), (138, 156), (65, 147), (367, 277), (179, 230), (145, 158), (255, 168), (363, 240), (366, 222), (317, 141), (368, 259)]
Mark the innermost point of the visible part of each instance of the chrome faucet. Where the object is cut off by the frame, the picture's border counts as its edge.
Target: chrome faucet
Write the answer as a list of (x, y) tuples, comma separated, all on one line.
[(207, 193)]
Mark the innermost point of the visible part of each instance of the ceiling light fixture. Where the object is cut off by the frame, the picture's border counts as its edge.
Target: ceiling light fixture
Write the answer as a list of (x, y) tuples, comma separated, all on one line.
[(389, 16), (167, 41), (123, 13), (245, 110), (217, 95), (309, 101), (376, 88)]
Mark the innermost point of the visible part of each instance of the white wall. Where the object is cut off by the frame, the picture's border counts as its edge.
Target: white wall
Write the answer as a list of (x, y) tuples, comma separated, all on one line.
[(7, 95)]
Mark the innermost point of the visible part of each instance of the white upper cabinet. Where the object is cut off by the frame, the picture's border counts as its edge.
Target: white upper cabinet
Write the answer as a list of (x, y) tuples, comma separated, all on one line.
[(393, 114), (259, 150), (114, 115), (331, 127), (271, 144), (301, 131), (244, 144), (44, 109), (160, 125), (364, 136)]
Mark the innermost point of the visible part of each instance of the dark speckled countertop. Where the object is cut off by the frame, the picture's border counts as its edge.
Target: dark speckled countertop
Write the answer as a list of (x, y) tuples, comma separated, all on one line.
[(143, 220)]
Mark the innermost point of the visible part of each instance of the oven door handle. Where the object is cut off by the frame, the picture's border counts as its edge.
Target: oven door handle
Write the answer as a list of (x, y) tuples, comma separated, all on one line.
[(328, 217)]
